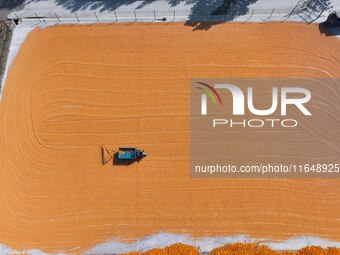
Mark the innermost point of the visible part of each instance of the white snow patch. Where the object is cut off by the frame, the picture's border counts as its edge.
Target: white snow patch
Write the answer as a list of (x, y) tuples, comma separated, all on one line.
[(300, 242), (205, 244)]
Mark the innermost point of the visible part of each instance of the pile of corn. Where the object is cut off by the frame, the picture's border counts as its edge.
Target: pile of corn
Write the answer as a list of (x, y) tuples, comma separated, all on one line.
[(317, 250), (175, 249), (237, 249), (243, 249), (233, 249), (257, 249)]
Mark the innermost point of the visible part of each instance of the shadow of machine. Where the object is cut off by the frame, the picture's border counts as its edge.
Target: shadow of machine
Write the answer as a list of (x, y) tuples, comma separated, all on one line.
[(123, 162)]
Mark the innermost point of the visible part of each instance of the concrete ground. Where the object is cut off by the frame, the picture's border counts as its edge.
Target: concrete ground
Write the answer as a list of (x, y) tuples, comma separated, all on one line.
[(194, 10)]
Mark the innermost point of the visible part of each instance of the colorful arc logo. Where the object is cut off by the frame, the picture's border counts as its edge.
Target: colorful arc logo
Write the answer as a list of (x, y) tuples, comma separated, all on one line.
[(209, 90)]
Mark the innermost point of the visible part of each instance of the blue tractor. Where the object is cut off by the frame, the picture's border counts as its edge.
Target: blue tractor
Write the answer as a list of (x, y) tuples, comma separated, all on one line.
[(131, 154)]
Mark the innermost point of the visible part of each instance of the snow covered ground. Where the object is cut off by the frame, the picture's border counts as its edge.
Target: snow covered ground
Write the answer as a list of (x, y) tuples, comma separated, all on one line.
[(205, 244)]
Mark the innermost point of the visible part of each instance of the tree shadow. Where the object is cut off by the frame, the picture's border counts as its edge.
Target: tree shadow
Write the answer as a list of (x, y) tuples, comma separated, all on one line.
[(311, 10), (204, 13), (329, 30), (100, 5), (313, 5), (11, 4)]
